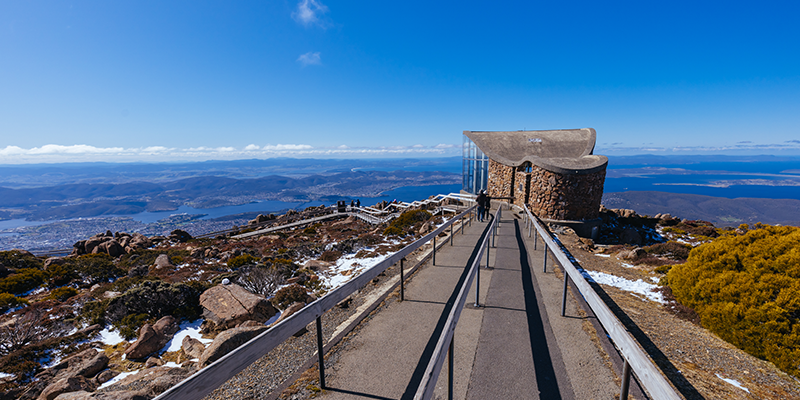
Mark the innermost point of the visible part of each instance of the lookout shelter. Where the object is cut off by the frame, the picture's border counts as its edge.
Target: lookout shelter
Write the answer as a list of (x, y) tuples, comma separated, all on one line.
[(554, 172)]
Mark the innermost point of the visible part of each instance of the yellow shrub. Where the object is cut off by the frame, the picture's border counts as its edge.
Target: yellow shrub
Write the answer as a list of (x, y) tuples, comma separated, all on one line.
[(746, 289)]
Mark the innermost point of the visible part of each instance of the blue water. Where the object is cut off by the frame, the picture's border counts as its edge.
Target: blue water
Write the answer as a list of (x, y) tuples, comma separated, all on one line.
[(688, 178)]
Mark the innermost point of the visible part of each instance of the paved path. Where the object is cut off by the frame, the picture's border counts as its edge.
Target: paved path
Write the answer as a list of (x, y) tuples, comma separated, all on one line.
[(506, 349)]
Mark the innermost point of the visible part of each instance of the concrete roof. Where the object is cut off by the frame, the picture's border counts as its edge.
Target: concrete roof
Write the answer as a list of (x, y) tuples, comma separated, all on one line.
[(565, 151)]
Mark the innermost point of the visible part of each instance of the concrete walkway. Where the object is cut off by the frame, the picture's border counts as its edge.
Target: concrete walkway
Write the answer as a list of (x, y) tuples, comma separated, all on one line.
[(507, 348)]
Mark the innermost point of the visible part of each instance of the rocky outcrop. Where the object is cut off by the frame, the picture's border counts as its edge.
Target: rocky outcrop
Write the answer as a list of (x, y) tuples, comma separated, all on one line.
[(226, 341), (65, 385), (113, 244), (146, 384), (180, 236), (152, 338), (226, 306), (162, 261), (71, 374)]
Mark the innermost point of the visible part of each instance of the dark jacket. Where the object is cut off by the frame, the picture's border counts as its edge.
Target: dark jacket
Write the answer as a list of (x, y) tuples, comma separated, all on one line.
[(483, 201)]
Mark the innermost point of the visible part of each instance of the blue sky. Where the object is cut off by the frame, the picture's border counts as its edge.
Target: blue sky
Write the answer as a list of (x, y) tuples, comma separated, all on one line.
[(183, 80)]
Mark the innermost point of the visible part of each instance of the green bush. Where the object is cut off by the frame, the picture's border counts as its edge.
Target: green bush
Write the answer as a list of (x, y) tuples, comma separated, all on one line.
[(238, 261), (60, 275), (96, 268), (406, 220), (15, 259), (746, 289), (8, 300), (93, 312), (24, 280), (288, 295), (129, 326), (63, 293)]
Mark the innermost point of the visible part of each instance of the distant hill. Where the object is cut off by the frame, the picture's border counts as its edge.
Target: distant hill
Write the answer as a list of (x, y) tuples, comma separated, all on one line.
[(719, 210), (95, 199)]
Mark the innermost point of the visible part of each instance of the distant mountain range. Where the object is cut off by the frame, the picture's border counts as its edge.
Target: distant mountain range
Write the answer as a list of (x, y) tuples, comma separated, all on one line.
[(96, 199), (719, 210)]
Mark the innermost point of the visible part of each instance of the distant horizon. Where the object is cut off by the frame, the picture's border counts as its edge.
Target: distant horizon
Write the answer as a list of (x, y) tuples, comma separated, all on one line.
[(176, 156)]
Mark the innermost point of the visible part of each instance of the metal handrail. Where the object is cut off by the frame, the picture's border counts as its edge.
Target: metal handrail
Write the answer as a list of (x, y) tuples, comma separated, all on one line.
[(635, 358), (428, 383), (209, 378)]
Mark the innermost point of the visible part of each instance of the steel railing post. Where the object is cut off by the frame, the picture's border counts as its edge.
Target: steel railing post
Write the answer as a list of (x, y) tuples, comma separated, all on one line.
[(488, 246), (320, 353), (451, 234), (626, 381), (535, 237), (434, 251), (564, 295), (402, 280), (477, 283), (450, 368), (545, 259)]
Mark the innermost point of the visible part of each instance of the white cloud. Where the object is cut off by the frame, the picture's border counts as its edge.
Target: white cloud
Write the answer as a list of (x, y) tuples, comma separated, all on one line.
[(310, 58), (83, 153), (309, 13), (738, 148)]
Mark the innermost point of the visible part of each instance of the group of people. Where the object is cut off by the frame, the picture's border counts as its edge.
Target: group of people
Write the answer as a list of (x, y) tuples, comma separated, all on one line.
[(484, 204)]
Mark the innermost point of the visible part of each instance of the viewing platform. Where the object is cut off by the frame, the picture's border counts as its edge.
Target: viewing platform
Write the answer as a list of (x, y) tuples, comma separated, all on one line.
[(513, 345)]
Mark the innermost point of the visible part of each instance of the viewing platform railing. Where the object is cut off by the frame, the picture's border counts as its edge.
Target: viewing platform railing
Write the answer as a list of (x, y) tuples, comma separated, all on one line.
[(636, 359), (212, 376)]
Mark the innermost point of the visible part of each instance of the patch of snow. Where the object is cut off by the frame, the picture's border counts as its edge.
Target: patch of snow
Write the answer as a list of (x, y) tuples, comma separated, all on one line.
[(172, 364), (639, 286), (116, 379), (191, 329), (733, 382), (603, 255), (110, 338), (626, 265), (655, 279), (274, 318), (4, 375)]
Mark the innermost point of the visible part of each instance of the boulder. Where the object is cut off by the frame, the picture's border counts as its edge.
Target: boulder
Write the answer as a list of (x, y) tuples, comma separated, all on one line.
[(229, 305), (162, 261), (54, 261), (93, 242), (86, 363), (152, 338), (105, 376), (192, 347), (317, 265), (110, 247), (153, 362), (293, 308), (65, 385), (180, 236), (145, 384), (226, 341)]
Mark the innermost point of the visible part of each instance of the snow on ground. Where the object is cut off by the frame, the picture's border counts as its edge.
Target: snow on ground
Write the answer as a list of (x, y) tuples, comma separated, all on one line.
[(110, 338), (116, 379), (639, 286), (349, 266), (733, 382), (4, 375), (603, 255), (191, 329), (626, 265)]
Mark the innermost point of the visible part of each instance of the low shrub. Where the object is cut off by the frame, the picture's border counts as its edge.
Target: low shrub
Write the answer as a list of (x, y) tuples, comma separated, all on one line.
[(238, 261), (671, 249), (288, 295), (15, 259), (330, 255), (96, 268), (128, 327), (8, 300), (63, 293), (746, 289), (22, 281)]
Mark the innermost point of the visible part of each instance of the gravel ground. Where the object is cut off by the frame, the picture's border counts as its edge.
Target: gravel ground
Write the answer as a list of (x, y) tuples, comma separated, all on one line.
[(694, 359), (265, 375)]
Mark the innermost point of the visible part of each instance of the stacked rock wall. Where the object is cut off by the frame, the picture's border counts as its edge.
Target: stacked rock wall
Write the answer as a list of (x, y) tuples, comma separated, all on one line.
[(501, 180), (573, 197), (550, 195)]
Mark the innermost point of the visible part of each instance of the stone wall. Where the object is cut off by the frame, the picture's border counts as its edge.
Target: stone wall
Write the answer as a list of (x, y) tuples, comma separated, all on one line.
[(550, 195), (501, 180), (566, 197)]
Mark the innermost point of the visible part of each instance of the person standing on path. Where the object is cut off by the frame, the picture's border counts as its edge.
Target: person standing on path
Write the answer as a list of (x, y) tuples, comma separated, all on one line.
[(482, 200)]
